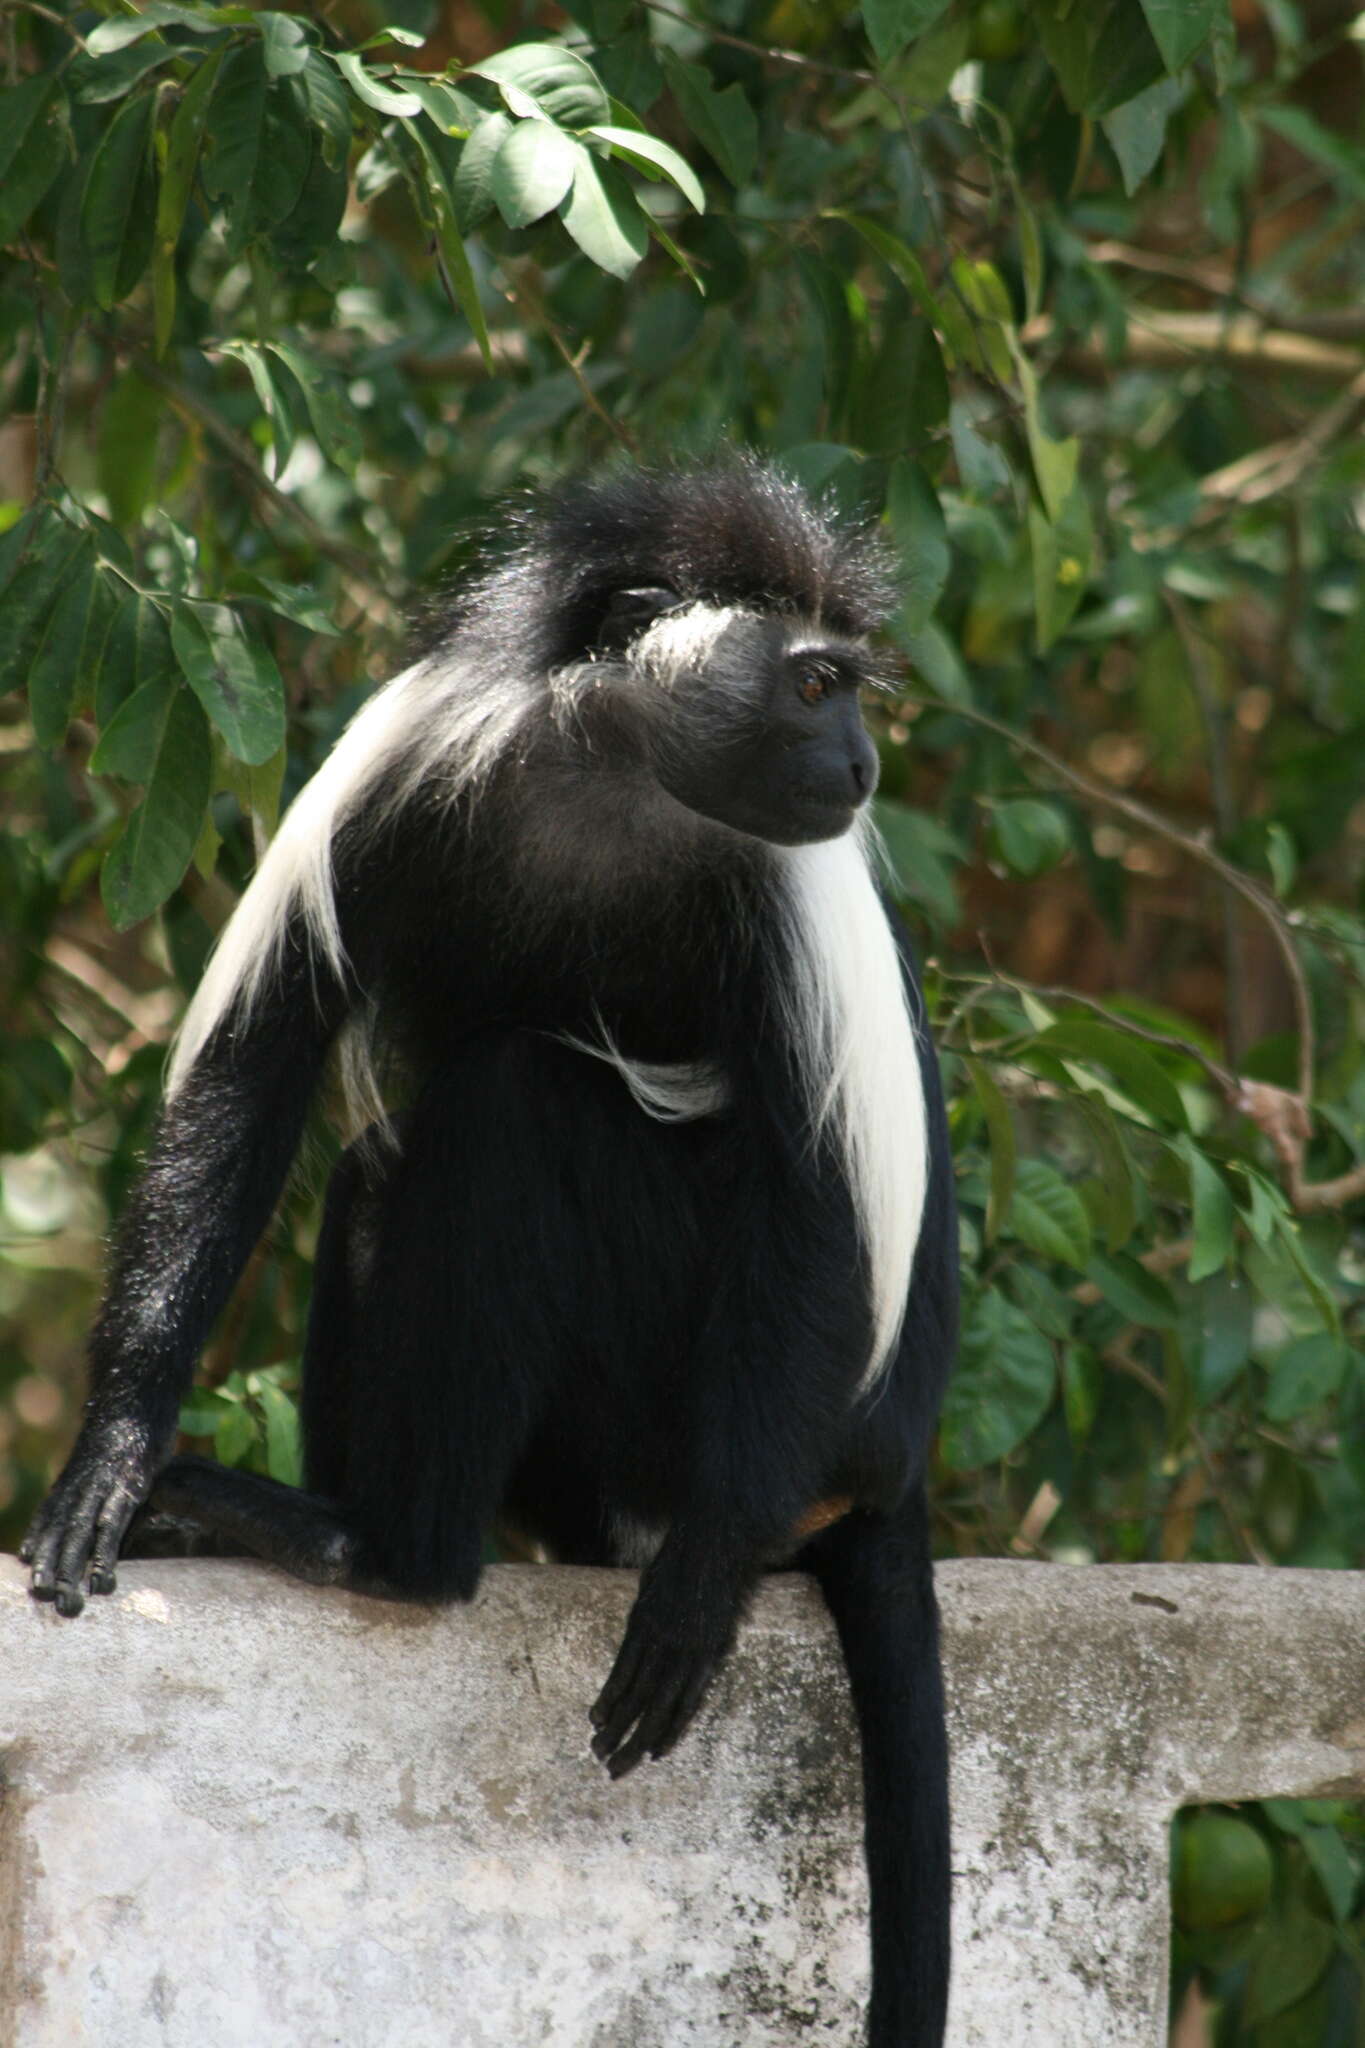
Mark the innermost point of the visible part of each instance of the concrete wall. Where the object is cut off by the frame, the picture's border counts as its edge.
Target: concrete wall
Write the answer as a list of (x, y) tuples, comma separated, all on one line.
[(239, 1811)]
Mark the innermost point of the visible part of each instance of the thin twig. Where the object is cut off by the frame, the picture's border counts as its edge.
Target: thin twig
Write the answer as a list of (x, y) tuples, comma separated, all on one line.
[(1225, 815), (49, 14), (770, 53), (1222, 1077), (1198, 849), (531, 307)]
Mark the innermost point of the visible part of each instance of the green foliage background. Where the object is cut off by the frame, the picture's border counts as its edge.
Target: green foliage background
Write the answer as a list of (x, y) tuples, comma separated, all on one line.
[(1067, 294)]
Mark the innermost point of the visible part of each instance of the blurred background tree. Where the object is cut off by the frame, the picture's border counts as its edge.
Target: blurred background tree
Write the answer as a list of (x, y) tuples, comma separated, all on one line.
[(1070, 296)]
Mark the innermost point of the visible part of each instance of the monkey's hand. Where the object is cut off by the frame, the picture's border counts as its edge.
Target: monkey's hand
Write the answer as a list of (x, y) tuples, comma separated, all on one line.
[(76, 1533), (680, 1629)]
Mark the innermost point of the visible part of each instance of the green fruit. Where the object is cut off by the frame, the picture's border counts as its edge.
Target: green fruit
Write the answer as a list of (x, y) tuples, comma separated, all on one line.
[(997, 30), (1222, 1870)]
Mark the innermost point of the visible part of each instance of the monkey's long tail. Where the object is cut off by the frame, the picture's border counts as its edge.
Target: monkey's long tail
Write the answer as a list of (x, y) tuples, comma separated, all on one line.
[(305, 1534), (877, 1577)]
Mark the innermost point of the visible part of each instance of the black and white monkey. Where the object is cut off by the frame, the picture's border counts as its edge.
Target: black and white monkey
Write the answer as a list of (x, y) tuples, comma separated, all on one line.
[(656, 1257)]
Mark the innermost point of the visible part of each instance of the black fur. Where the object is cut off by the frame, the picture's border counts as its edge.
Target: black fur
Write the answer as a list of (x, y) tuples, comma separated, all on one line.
[(532, 1300)]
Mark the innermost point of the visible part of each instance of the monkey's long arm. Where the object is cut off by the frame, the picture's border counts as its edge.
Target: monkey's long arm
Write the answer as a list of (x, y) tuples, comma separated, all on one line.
[(218, 1160)]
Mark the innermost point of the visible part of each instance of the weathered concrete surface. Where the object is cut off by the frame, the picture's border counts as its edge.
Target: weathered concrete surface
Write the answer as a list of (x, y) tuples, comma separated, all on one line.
[(240, 1811)]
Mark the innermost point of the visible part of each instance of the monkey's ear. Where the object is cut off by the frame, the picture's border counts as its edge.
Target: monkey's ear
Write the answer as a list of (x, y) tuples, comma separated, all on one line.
[(629, 612)]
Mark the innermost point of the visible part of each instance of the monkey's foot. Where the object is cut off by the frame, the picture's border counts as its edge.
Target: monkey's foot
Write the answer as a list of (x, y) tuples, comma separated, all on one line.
[(657, 1683)]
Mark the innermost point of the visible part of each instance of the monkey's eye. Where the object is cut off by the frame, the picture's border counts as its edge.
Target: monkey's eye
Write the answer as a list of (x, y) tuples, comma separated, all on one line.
[(813, 683)]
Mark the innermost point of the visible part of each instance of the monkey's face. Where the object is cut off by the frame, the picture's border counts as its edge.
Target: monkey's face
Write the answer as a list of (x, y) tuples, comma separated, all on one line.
[(757, 723)]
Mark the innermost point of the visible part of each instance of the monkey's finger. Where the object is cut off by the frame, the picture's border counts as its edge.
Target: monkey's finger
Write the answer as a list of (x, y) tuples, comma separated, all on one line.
[(60, 1563), (622, 1678), (649, 1671), (110, 1531), (684, 1713)]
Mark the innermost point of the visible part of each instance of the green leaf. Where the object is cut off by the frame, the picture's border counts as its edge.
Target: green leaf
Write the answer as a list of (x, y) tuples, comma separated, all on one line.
[(899, 259), (1137, 129), (273, 398), (394, 33), (891, 24), (329, 108), (473, 184), (1004, 1148), (1028, 835), (385, 99), (980, 464), (58, 664), (454, 113), (1141, 1077), (283, 1451), (153, 850), (1305, 1374), (1082, 1386), (177, 180), (723, 122), (306, 607), (128, 745), (233, 676), (1054, 462), (561, 84), (257, 790), (47, 550), (921, 538), (1180, 28), (935, 660), (117, 218), (533, 171), (921, 852), (1345, 160), (437, 199), (235, 1437), (258, 147), (654, 158), (126, 461), (1060, 555), (1115, 1182), (94, 81), (827, 290), (200, 1412), (285, 42), (1001, 1386), (603, 218), (1048, 1215), (1030, 255), (1215, 1214), (1103, 52), (333, 421), (137, 650), (158, 14), (33, 130), (1137, 1294)]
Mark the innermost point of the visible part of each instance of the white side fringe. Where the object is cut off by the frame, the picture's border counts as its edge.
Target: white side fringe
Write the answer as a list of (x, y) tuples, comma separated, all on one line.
[(427, 724), (855, 1044)]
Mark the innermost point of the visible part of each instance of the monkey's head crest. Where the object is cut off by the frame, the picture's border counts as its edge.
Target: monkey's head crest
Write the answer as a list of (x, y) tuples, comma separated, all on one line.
[(732, 532)]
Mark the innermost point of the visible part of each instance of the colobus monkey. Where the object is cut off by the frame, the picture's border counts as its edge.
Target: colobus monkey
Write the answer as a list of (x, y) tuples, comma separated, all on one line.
[(650, 1247)]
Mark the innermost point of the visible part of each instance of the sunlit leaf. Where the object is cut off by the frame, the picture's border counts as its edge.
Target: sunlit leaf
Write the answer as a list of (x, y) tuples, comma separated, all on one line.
[(532, 171), (558, 82), (603, 218)]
